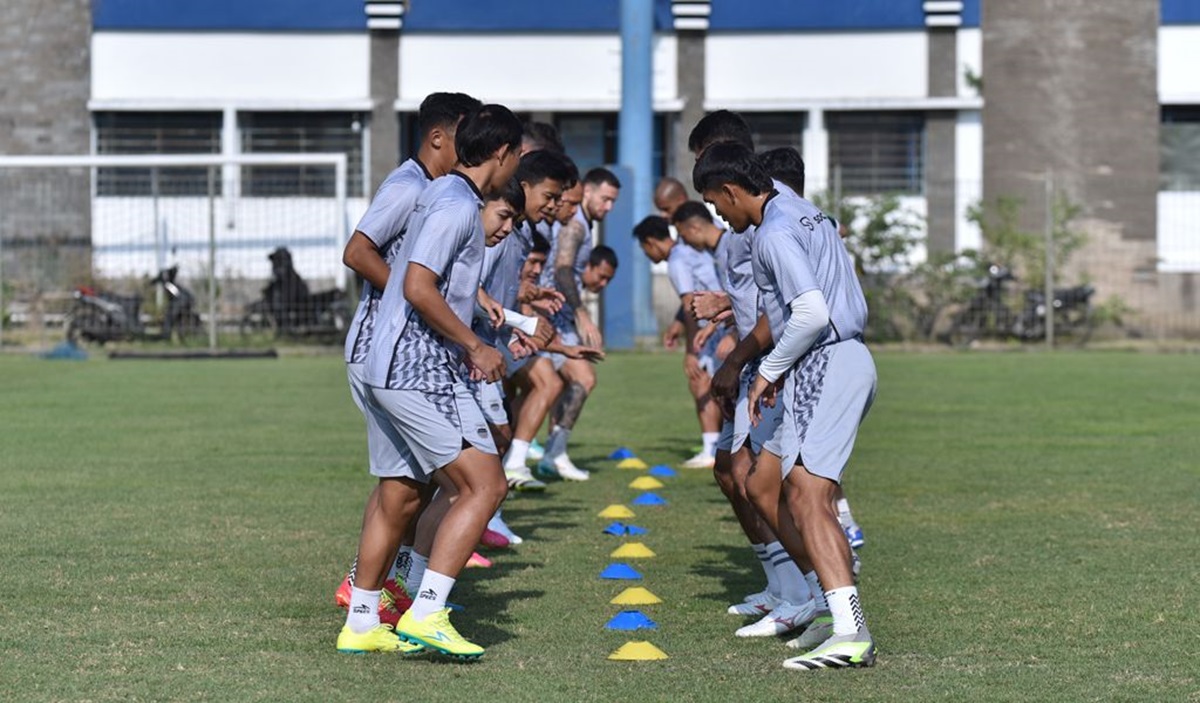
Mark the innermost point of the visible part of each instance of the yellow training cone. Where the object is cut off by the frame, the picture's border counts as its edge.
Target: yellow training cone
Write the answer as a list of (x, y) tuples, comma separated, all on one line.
[(635, 596), (632, 550), (632, 463), (646, 483), (636, 652), (616, 511)]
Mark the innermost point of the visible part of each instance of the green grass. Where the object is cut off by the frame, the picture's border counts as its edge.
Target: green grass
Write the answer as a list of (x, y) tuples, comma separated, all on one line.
[(175, 531)]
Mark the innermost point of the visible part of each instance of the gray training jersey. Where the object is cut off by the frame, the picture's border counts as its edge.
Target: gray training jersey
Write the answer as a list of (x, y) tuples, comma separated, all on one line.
[(737, 279), (385, 224), (501, 277), (691, 270), (797, 249), (445, 236)]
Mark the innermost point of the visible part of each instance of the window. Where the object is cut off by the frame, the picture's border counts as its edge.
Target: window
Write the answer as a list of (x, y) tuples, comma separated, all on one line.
[(156, 133), (1179, 143), (773, 130), (304, 133), (878, 152), (592, 140)]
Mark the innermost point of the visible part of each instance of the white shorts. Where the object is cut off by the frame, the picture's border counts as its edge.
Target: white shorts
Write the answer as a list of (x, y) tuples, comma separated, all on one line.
[(826, 398), (389, 458), (735, 432), (434, 426), (490, 397)]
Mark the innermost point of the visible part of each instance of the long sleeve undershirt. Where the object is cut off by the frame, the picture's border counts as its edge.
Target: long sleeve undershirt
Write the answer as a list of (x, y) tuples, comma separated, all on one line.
[(809, 318)]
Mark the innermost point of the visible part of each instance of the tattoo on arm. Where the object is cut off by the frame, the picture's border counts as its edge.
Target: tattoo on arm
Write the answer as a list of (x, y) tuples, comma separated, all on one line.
[(570, 238)]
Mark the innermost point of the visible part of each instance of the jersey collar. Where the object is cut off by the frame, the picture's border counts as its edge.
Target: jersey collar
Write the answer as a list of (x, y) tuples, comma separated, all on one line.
[(474, 188)]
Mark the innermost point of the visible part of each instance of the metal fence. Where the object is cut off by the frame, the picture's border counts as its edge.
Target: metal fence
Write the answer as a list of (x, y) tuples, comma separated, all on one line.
[(142, 260)]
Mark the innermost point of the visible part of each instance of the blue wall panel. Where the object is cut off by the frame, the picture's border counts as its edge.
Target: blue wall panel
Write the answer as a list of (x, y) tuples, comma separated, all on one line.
[(258, 15), (523, 15), (780, 15), (970, 14), (1181, 11)]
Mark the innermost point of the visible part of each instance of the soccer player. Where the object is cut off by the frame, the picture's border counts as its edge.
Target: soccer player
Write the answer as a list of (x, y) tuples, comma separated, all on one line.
[(423, 354), (571, 256), (819, 371), (371, 252), (690, 270), (669, 194)]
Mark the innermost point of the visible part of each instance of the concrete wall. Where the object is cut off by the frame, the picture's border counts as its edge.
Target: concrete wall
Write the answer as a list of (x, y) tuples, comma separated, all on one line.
[(43, 110)]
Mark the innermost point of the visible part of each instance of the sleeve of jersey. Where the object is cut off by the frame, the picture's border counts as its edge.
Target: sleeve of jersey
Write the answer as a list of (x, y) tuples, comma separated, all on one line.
[(810, 316), (789, 266), (439, 239), (680, 272), (388, 213)]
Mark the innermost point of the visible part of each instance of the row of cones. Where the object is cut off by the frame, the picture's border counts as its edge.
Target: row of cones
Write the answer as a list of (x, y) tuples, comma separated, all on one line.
[(636, 595)]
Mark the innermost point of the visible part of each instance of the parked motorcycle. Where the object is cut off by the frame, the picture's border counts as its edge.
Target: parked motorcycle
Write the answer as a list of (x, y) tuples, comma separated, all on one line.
[(987, 315), (100, 316)]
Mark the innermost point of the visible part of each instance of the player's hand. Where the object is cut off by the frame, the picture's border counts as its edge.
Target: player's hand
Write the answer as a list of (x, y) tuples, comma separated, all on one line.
[(707, 304), (485, 363), (672, 335), (691, 366), (546, 300), (726, 382), (544, 332), (578, 351), (494, 310), (762, 392), (703, 335), (589, 333), (726, 345), (522, 346)]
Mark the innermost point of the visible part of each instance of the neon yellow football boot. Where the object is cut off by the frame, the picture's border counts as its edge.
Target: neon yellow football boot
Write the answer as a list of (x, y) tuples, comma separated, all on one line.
[(435, 632), (381, 638)]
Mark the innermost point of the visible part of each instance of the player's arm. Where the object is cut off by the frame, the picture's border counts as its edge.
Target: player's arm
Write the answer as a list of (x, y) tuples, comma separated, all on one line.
[(421, 292), (809, 318), (726, 380), (363, 257), (570, 238), (707, 304)]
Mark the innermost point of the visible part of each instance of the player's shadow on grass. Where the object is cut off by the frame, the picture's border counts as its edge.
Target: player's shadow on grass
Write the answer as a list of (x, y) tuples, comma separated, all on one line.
[(530, 519), (733, 569), (486, 616)]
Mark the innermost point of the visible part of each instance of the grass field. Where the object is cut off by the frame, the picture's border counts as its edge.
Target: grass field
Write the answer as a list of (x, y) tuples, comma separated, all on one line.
[(175, 531)]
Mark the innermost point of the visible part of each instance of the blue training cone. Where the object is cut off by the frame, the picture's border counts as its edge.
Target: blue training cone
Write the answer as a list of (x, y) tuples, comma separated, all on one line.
[(622, 453), (649, 499), (631, 620), (635, 530), (617, 528), (620, 572), (663, 471)]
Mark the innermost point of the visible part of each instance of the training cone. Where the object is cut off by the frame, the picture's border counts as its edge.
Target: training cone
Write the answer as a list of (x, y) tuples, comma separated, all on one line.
[(631, 620), (632, 550), (632, 463), (636, 652), (617, 528), (649, 499), (645, 483), (616, 511), (635, 596), (663, 471), (635, 530), (622, 453), (620, 572)]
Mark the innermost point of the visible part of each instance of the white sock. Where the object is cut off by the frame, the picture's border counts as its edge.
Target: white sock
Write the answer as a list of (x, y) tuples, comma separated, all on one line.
[(847, 611), (435, 589), (764, 558), (364, 610), (710, 442), (793, 588), (556, 445), (518, 452), (843, 508), (416, 571), (401, 564), (818, 593)]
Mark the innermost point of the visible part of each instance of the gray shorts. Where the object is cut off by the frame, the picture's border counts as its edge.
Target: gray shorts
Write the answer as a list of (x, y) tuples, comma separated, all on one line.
[(569, 336), (511, 364), (735, 432), (827, 397), (490, 397), (433, 426), (708, 354), (389, 457)]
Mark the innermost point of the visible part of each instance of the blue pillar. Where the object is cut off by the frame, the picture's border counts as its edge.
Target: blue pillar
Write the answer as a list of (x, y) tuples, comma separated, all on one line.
[(628, 310)]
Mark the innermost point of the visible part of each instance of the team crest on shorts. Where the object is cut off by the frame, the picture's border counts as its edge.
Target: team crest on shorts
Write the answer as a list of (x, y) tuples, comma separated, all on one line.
[(483, 433)]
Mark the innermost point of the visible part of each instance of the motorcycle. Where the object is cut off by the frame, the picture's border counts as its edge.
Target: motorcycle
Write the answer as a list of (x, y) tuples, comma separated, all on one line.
[(987, 315), (101, 316)]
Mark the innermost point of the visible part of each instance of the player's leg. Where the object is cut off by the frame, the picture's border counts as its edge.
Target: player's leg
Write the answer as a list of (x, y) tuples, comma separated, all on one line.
[(579, 379), (708, 413), (854, 533), (542, 386)]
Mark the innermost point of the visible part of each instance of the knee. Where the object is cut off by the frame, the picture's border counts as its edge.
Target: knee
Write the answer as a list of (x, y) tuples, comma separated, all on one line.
[(726, 481)]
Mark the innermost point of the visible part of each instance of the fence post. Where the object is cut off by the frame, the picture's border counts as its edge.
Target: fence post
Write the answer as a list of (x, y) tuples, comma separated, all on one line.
[(1049, 285), (212, 260)]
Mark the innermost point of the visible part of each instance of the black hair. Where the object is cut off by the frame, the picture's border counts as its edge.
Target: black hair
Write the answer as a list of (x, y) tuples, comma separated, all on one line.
[(601, 175), (541, 245), (729, 163), (443, 110), (512, 193), (543, 135), (652, 227), (537, 166), (573, 173), (720, 126), (603, 255), (690, 209), (485, 130), (785, 164)]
